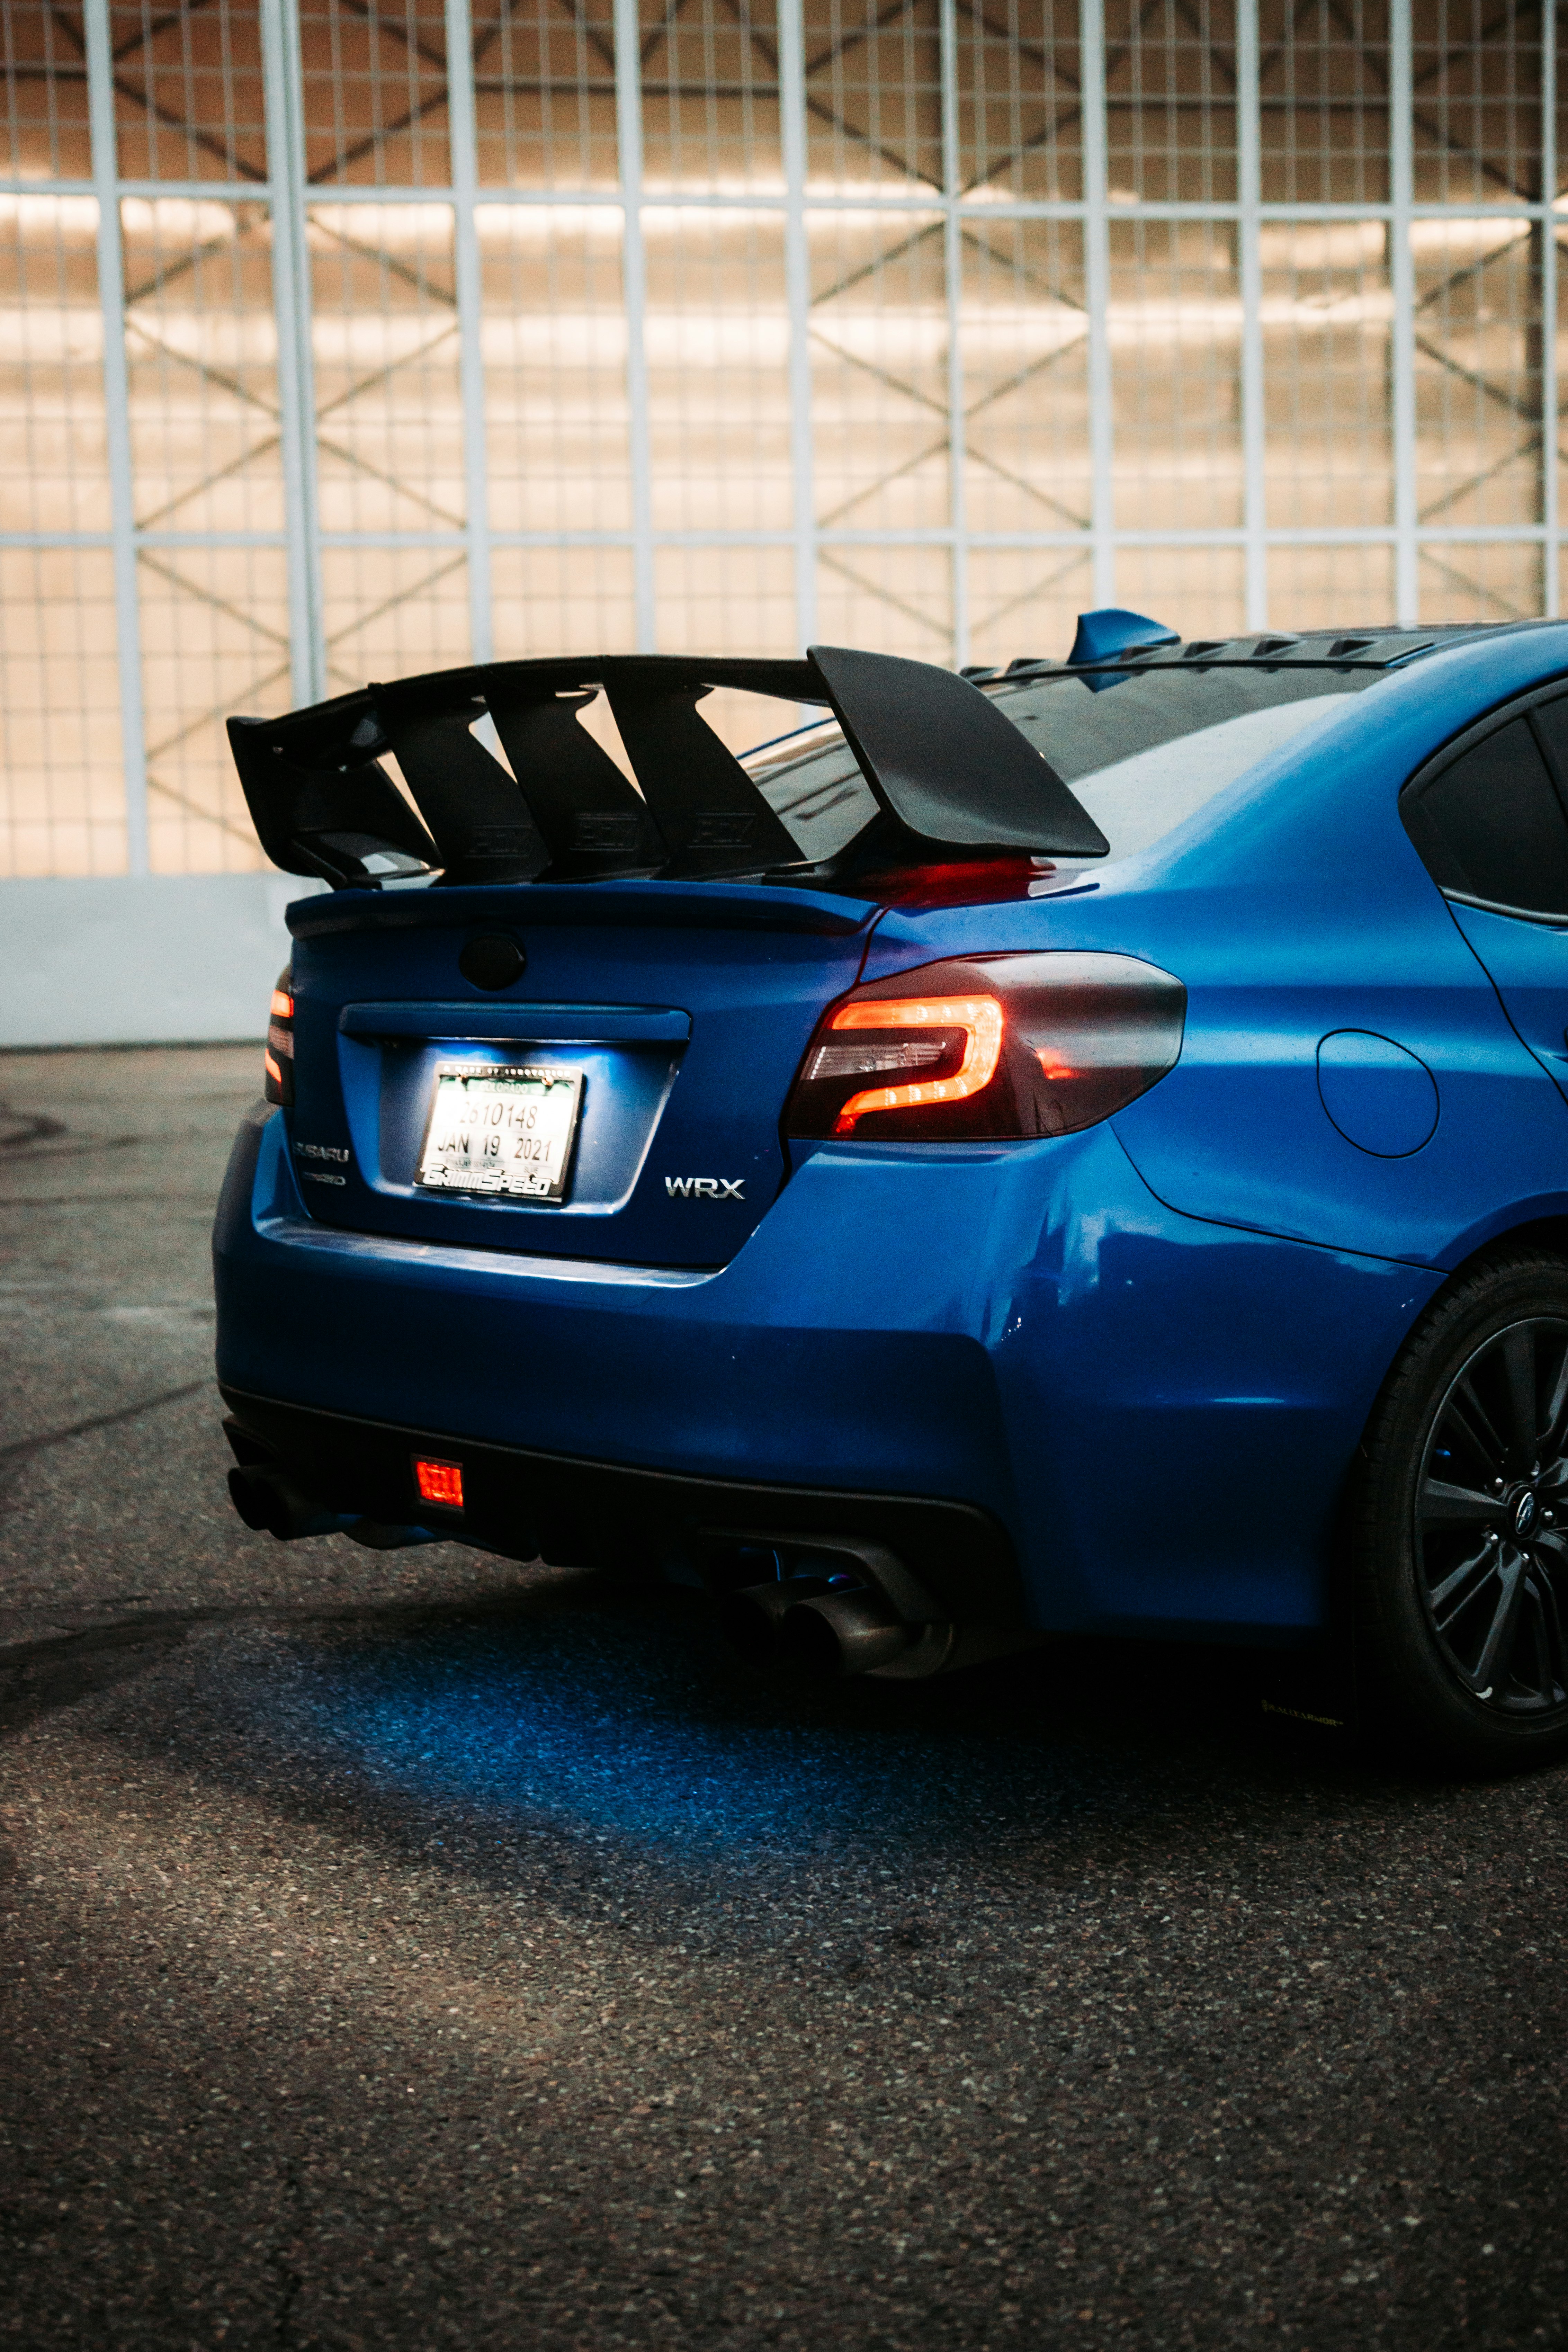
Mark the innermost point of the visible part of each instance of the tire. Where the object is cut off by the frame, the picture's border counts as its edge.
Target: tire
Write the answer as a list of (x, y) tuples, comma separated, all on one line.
[(1459, 1528)]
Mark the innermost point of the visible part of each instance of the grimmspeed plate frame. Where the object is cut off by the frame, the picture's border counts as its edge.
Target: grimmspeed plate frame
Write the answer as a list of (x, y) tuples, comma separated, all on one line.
[(502, 1131)]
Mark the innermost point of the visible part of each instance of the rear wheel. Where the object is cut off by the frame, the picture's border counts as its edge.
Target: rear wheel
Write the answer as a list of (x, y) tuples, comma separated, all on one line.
[(1460, 1532)]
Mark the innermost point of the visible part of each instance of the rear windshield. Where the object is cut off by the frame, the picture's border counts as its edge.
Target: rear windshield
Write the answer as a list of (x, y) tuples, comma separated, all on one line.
[(1141, 755)]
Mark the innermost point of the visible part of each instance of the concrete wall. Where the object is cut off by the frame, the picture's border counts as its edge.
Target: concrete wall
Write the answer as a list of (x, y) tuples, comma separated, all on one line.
[(154, 960)]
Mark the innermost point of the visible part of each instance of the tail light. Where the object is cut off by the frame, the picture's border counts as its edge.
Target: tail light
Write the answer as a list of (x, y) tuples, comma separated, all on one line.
[(989, 1046), (279, 1059)]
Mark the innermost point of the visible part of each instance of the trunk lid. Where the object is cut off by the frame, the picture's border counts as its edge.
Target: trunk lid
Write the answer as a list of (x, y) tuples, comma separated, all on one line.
[(685, 1009)]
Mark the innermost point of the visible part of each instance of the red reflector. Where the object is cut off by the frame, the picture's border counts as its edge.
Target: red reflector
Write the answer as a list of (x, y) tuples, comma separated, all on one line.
[(439, 1482)]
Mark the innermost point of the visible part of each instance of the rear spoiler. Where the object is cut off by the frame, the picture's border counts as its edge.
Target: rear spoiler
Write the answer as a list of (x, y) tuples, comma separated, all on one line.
[(953, 780)]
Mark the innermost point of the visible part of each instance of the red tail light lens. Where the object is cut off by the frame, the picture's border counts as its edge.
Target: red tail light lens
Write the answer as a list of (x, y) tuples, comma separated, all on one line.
[(914, 1032), (278, 1061), (989, 1046)]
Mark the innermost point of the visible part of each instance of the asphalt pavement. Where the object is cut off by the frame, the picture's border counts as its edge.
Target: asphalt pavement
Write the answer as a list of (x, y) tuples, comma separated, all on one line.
[(416, 1949)]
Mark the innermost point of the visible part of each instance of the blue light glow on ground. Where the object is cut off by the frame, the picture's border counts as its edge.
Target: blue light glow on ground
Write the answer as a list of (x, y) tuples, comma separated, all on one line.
[(521, 1726), (592, 1727)]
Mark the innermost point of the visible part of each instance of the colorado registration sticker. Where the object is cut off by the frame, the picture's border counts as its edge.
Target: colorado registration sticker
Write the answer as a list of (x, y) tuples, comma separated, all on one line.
[(502, 1133)]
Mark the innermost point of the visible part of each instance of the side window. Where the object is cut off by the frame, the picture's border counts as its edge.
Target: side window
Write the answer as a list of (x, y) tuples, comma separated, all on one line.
[(1490, 824), (1552, 725)]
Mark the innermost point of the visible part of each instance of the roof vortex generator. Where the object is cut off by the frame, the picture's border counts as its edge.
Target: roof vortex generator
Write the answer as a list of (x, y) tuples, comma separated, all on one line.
[(951, 777)]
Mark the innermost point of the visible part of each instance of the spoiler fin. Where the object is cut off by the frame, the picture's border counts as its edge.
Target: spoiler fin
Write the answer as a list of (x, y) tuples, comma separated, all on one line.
[(595, 823), (707, 807), (952, 778), (473, 808)]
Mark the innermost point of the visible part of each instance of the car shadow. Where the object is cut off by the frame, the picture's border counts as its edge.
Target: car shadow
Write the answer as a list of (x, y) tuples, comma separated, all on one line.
[(604, 1742)]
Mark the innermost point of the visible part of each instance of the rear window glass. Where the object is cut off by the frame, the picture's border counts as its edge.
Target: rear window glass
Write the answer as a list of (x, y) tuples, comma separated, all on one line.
[(812, 781), (1141, 755)]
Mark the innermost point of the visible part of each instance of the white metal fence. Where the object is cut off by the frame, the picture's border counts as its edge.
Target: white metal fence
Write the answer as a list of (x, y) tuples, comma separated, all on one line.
[(345, 337)]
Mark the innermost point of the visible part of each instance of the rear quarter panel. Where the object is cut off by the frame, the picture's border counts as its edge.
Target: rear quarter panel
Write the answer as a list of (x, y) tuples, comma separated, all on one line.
[(1292, 907)]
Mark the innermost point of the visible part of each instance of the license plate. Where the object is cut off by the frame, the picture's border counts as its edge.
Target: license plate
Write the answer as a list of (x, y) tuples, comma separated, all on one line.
[(507, 1133)]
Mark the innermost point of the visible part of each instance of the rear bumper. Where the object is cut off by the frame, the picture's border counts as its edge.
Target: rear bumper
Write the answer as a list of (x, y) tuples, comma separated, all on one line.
[(975, 1356), (611, 1411), (601, 1514)]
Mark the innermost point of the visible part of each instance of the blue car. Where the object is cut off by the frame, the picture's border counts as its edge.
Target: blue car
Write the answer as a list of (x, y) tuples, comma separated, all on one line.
[(1076, 1149)]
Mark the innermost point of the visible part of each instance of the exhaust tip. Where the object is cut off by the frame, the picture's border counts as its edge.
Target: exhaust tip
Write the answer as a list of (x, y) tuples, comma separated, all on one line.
[(809, 1646), (750, 1618), (843, 1634), (849, 1607), (256, 1500), (266, 1502)]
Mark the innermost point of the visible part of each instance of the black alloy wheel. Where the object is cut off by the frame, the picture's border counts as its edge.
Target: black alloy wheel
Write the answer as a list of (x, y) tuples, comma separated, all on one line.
[(1460, 1535), (1491, 1515)]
